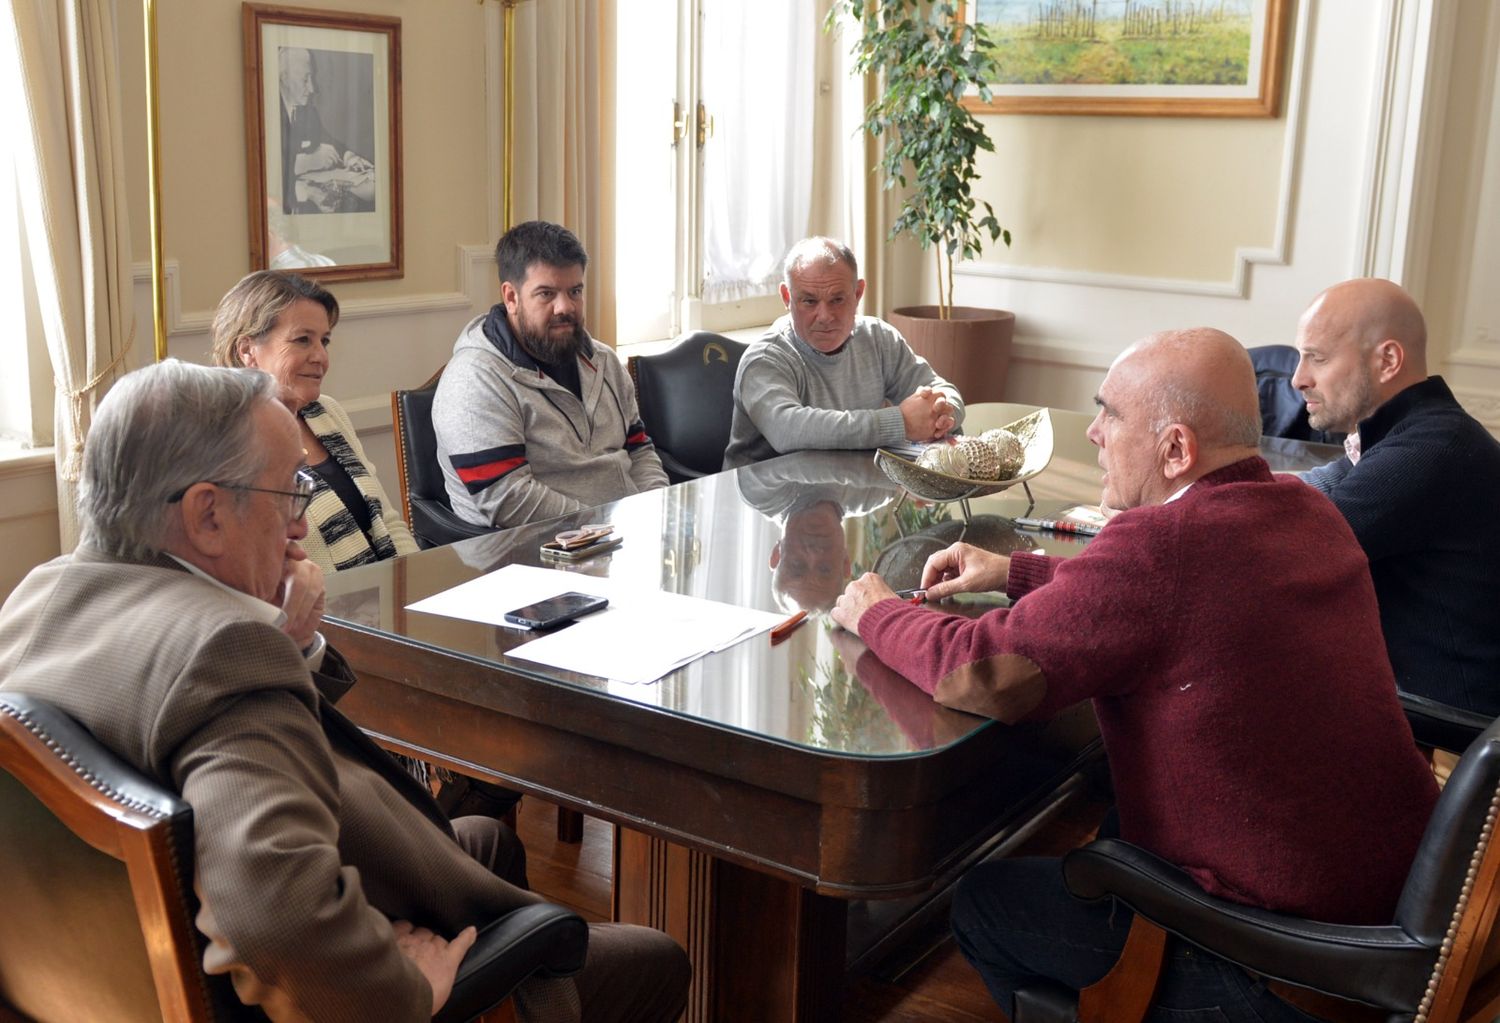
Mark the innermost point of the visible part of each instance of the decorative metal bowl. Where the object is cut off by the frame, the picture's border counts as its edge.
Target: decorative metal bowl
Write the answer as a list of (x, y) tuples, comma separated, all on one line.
[(1035, 432)]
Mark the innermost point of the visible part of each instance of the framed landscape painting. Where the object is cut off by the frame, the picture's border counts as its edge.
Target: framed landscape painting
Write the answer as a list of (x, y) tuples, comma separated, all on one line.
[(323, 134), (1215, 58)]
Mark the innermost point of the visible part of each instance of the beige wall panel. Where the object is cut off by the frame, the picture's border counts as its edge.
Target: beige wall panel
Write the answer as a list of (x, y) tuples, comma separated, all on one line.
[(1469, 119), (28, 519), (1160, 197), (204, 158)]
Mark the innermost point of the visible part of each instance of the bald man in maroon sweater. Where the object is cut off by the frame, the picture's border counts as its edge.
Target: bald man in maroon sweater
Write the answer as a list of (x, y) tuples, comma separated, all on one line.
[(1226, 628)]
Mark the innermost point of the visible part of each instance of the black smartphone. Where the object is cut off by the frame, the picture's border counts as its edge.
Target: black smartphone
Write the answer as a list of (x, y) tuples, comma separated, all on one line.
[(554, 611)]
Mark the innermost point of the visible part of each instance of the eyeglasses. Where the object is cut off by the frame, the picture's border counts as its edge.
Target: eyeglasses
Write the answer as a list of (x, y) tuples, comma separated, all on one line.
[(304, 480)]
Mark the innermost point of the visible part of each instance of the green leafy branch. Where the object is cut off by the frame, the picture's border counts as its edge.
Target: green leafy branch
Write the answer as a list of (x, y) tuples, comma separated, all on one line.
[(927, 60)]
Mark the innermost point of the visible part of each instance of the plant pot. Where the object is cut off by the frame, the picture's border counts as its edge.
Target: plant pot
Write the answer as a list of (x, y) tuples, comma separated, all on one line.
[(971, 351)]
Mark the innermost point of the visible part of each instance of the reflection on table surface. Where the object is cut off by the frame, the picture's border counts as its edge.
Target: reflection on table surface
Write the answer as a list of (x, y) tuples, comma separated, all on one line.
[(786, 534)]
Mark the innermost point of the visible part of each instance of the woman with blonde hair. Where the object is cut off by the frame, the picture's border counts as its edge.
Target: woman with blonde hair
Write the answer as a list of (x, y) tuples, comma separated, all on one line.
[(283, 323)]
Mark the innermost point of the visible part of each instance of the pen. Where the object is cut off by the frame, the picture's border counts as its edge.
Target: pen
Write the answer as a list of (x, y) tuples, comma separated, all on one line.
[(917, 596), (1059, 526), (786, 628)]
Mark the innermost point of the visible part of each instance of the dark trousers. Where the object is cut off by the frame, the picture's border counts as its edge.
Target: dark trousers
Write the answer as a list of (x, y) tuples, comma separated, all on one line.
[(630, 975), (494, 845), (1015, 921)]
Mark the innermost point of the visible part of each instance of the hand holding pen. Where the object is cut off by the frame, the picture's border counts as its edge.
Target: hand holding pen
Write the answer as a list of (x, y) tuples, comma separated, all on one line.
[(964, 568)]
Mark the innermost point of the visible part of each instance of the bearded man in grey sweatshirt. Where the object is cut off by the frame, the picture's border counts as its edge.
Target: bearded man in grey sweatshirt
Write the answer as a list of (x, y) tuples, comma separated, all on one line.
[(534, 418), (825, 377)]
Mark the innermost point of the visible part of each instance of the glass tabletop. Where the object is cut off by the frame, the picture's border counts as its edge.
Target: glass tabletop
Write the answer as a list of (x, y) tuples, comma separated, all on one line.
[(783, 535)]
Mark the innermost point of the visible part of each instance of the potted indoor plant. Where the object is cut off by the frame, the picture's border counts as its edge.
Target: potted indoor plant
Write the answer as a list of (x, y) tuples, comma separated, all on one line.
[(928, 59)]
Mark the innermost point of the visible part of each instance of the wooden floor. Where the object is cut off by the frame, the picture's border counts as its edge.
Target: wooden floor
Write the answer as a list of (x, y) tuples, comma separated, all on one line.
[(941, 988)]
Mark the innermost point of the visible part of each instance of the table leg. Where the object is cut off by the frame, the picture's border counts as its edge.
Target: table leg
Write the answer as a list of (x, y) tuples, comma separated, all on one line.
[(762, 948), (569, 825)]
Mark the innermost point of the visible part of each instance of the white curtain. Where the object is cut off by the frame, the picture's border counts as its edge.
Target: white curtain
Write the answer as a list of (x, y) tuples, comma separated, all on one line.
[(71, 180), (760, 85), (866, 214), (557, 153)]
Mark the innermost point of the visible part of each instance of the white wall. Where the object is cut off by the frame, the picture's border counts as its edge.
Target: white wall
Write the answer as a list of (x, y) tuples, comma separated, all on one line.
[(28, 517), (1352, 184), (1380, 164), (1462, 300), (392, 333)]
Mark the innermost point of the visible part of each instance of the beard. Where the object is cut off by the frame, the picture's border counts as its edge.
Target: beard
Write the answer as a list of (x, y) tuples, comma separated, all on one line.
[(543, 345), (1342, 415)]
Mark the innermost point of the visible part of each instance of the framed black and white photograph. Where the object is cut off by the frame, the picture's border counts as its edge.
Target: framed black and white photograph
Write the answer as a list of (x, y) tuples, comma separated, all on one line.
[(323, 134)]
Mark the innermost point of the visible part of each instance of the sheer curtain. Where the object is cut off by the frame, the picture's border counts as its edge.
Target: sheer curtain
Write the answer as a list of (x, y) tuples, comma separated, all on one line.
[(71, 182), (558, 157), (760, 85)]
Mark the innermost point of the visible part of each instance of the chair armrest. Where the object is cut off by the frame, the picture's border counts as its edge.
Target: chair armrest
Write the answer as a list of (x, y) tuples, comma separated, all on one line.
[(542, 939), (1378, 965), (435, 525), (1442, 725), (677, 472)]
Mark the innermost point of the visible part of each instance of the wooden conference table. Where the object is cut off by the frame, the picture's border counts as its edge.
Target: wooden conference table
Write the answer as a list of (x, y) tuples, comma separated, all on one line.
[(758, 790)]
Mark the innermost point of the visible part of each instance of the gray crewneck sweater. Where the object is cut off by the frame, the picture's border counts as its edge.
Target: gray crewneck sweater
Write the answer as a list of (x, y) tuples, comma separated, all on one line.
[(788, 396)]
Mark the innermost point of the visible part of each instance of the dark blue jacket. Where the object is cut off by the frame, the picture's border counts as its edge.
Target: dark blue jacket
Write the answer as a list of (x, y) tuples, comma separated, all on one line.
[(1423, 502)]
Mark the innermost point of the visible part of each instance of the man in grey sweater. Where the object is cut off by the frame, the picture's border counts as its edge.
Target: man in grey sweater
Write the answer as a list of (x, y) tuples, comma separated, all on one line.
[(534, 418), (825, 377)]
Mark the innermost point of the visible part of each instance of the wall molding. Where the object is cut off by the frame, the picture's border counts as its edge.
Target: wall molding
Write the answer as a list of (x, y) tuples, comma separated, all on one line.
[(35, 462), (468, 258), (1482, 405), (1238, 284), (1487, 357), (1060, 353), (1236, 287), (1478, 322), (30, 490), (370, 414), (494, 121), (1398, 191)]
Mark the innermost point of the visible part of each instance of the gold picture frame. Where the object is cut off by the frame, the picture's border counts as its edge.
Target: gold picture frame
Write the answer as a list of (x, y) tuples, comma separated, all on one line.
[(323, 142), (1070, 56)]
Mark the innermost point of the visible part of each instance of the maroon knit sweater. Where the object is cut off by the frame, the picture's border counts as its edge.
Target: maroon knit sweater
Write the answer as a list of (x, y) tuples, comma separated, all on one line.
[(1231, 643)]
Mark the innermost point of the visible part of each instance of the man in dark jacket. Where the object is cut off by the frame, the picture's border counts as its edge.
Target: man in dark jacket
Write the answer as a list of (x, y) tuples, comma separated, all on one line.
[(1417, 483)]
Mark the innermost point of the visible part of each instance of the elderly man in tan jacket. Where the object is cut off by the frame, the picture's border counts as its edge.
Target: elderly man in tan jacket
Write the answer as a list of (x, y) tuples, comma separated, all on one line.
[(183, 634)]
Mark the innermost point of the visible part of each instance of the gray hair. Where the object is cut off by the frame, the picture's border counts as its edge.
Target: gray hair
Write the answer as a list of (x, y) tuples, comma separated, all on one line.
[(158, 431), (817, 249), (1213, 423)]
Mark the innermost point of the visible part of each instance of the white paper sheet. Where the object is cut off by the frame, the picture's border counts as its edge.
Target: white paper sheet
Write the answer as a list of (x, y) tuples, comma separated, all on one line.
[(607, 643)]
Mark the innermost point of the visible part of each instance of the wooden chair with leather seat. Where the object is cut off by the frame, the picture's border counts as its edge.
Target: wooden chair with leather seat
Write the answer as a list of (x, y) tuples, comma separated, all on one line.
[(686, 399), (97, 862), (424, 496), (1436, 962)]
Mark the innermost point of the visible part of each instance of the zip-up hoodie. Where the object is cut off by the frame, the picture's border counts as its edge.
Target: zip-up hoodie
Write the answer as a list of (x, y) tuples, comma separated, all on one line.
[(517, 446)]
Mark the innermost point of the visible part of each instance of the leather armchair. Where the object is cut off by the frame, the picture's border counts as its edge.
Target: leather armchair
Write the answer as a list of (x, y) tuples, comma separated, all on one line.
[(543, 939), (99, 905), (1427, 960), (686, 398), (1283, 413), (424, 497), (1440, 725)]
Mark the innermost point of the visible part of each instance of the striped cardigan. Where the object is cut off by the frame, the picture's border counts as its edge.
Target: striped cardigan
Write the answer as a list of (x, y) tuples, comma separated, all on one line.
[(334, 540)]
